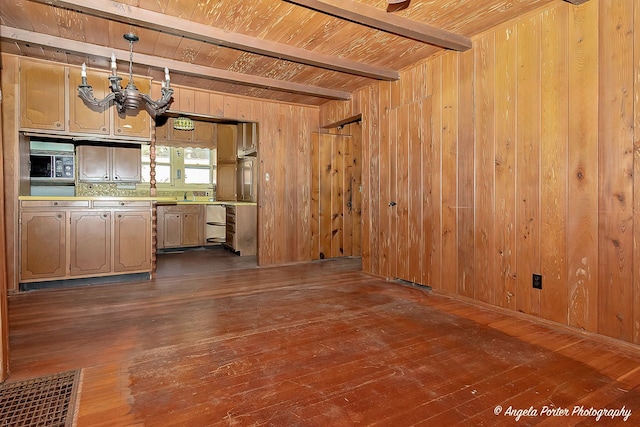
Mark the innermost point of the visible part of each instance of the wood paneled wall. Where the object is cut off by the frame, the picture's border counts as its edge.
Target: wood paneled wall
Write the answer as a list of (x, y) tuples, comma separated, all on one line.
[(525, 164)]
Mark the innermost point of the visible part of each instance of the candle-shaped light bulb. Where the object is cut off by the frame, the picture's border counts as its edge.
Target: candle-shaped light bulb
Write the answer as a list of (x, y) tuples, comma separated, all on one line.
[(83, 73), (166, 74), (113, 62)]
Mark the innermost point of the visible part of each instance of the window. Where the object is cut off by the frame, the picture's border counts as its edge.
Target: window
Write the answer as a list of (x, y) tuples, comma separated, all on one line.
[(181, 168), (197, 166)]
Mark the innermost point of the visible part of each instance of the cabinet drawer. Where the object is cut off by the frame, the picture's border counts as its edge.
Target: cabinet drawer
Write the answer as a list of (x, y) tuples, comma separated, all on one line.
[(121, 204), (181, 209), (54, 203), (231, 227)]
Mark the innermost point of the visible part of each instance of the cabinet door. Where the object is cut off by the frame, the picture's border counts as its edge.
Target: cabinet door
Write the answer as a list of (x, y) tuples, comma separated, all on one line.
[(191, 229), (126, 164), (172, 230), (245, 188), (226, 181), (226, 140), (90, 242), (83, 117), (93, 163), (43, 249), (135, 124), (203, 133), (132, 241), (42, 95)]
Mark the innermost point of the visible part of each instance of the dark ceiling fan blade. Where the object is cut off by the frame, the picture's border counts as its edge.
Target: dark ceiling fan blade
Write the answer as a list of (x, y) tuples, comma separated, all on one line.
[(396, 5)]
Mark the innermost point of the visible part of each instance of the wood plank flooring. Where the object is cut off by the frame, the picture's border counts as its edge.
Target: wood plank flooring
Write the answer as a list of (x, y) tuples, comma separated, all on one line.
[(314, 344)]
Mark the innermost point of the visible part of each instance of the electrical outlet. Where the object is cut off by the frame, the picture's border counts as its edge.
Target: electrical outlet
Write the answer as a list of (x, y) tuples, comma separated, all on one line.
[(537, 281)]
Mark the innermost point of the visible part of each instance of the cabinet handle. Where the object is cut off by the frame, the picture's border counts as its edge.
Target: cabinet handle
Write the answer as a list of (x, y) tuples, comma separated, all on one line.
[(119, 215), (59, 216), (116, 177), (55, 203), (106, 177), (121, 203), (104, 215)]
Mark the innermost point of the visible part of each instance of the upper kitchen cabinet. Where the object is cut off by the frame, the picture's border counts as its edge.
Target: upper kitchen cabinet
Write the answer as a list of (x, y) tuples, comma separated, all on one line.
[(49, 102), (111, 164), (85, 118), (247, 139), (203, 133), (226, 143), (42, 96), (135, 124)]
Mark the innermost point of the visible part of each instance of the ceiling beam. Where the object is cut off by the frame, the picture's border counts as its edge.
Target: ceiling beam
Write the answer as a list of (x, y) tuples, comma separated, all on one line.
[(376, 18), (82, 48), (205, 33)]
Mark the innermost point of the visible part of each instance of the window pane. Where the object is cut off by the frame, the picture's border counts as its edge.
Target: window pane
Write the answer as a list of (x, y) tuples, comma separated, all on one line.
[(197, 175), (162, 154), (197, 156), (163, 173)]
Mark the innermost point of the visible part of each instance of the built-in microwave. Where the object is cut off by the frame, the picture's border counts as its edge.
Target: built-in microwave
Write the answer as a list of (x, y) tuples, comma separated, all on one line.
[(52, 167)]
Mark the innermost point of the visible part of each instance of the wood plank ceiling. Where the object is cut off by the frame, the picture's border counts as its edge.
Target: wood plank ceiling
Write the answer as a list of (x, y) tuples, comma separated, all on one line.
[(307, 51)]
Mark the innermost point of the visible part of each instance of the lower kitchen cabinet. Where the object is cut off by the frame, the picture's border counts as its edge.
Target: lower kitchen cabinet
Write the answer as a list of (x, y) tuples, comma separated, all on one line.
[(90, 238), (180, 226), (73, 239), (241, 229), (131, 238), (43, 244)]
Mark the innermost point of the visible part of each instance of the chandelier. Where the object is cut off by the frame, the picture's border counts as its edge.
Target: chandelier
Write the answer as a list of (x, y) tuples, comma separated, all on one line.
[(128, 98)]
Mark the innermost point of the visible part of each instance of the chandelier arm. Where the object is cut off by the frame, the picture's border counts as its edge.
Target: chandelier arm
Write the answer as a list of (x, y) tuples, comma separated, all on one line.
[(160, 106), (86, 93)]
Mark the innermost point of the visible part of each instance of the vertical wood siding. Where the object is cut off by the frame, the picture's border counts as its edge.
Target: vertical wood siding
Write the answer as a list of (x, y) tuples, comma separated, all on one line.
[(527, 148)]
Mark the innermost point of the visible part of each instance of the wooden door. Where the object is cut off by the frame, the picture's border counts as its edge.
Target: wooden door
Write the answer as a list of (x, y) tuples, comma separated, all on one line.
[(191, 229), (42, 95), (83, 117), (203, 133), (93, 163), (403, 177), (336, 195), (172, 230), (126, 164), (90, 244), (226, 181), (131, 241), (43, 249), (226, 143)]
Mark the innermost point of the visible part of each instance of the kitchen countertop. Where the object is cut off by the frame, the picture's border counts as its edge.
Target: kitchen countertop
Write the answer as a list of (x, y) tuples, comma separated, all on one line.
[(158, 200)]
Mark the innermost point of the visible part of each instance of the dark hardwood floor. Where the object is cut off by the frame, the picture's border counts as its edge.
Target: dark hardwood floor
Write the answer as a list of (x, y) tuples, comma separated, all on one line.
[(317, 344)]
